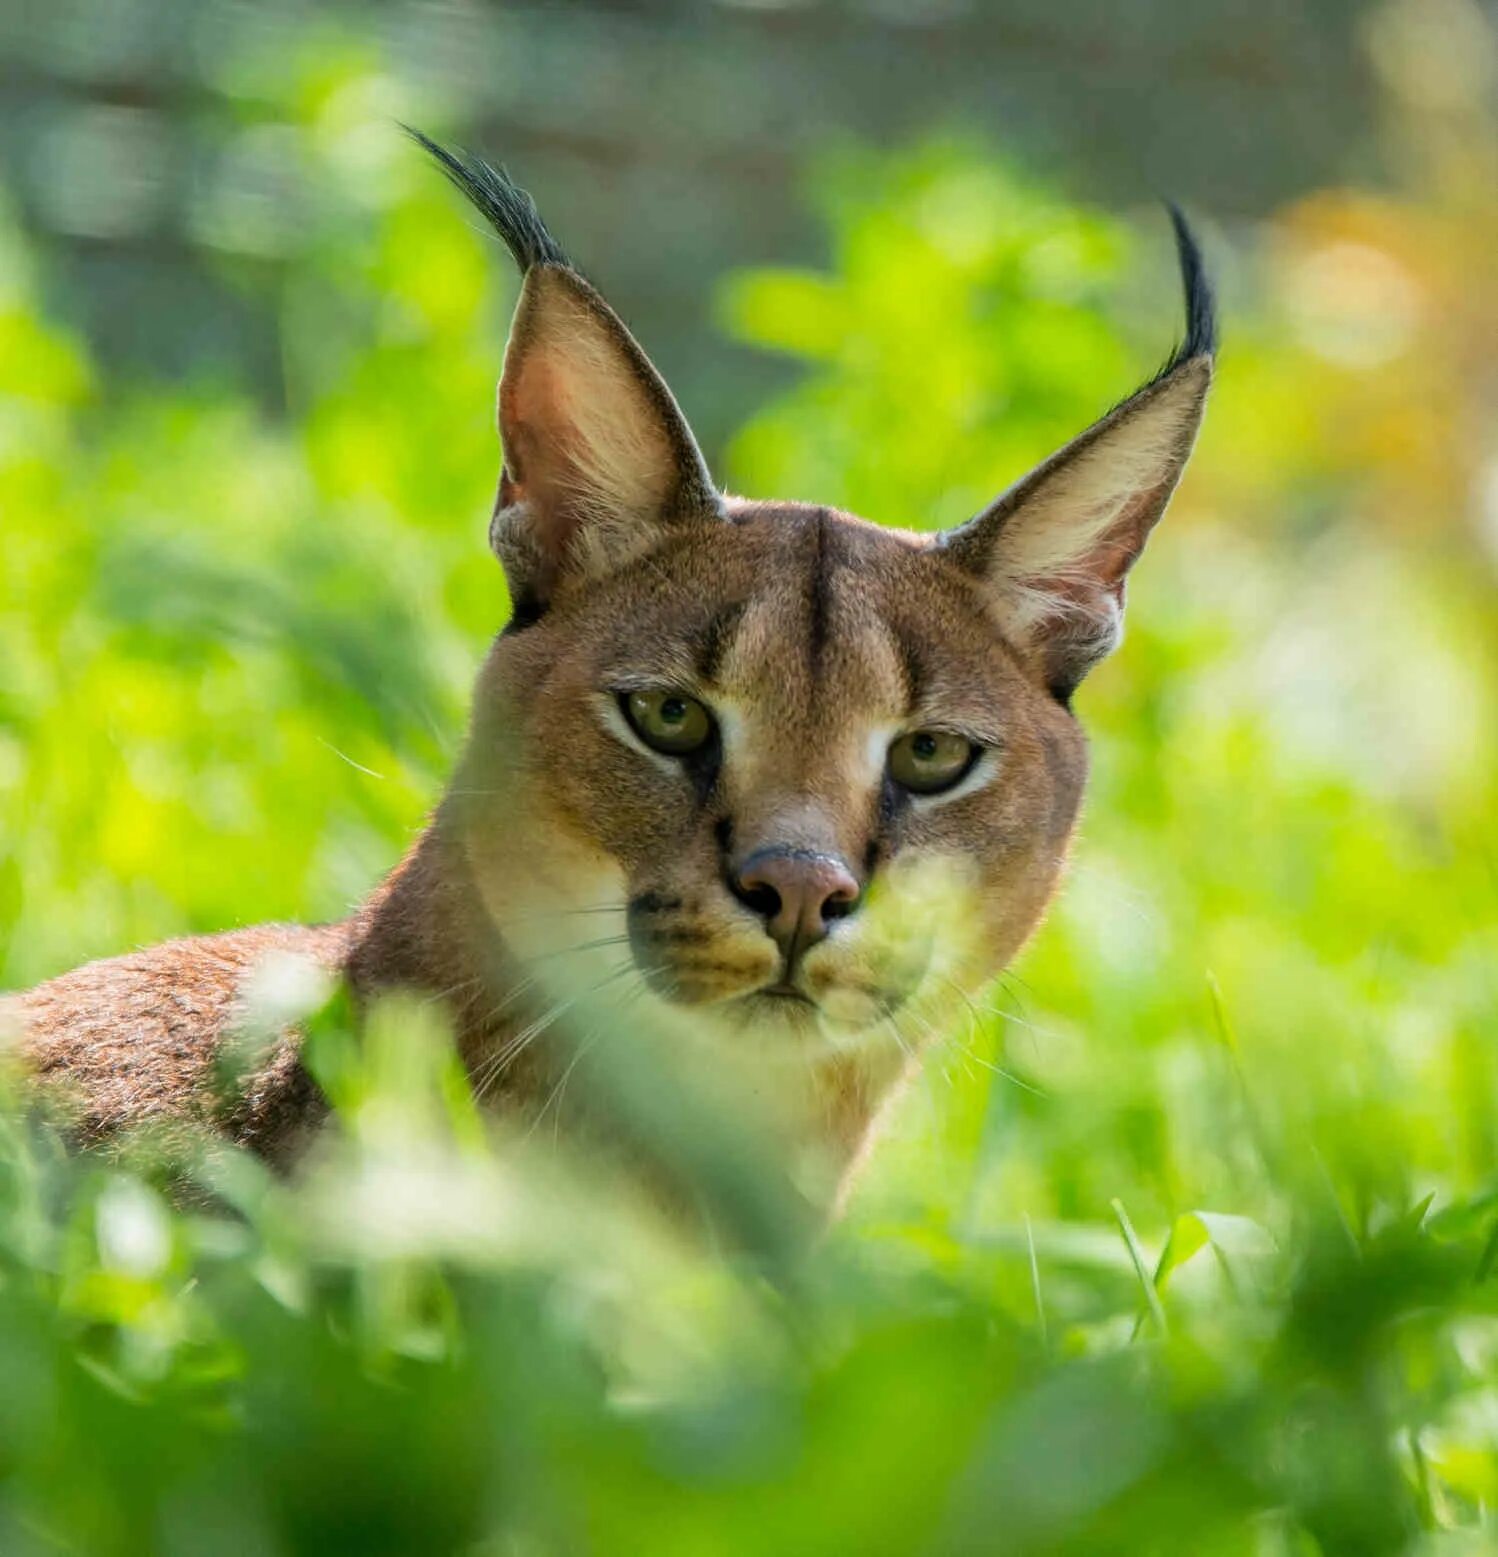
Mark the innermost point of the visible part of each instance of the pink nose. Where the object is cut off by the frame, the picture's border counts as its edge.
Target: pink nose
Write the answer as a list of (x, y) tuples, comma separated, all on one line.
[(797, 892)]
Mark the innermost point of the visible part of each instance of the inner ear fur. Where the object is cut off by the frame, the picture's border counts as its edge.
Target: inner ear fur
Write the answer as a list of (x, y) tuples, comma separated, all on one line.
[(599, 461), (1054, 552)]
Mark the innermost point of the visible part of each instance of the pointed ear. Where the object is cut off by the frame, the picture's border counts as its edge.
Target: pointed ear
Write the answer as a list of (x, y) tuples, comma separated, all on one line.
[(599, 463), (1054, 552)]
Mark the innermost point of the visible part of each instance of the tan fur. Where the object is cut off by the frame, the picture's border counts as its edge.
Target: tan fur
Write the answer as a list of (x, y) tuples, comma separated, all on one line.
[(1041, 564), (137, 1040), (570, 866)]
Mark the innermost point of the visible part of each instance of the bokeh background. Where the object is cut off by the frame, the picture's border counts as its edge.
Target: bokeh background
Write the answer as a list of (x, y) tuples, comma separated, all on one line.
[(1187, 1240)]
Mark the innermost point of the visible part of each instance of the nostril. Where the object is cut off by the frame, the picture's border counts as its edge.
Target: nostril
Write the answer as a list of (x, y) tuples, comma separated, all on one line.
[(797, 892), (759, 896)]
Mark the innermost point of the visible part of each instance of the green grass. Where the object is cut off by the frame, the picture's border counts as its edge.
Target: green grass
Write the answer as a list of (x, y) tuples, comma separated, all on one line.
[(1188, 1240)]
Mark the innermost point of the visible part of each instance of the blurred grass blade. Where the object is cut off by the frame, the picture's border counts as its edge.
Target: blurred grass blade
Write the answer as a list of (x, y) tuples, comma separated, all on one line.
[(1136, 1258)]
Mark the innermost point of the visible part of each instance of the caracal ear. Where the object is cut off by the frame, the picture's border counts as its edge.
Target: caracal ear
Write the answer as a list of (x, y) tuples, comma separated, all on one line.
[(1055, 550), (599, 463)]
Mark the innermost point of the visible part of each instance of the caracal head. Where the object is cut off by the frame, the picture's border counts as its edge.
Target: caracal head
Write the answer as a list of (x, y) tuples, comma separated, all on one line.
[(763, 768)]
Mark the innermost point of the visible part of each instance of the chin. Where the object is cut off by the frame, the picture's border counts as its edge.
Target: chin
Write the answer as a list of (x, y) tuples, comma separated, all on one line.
[(782, 1018)]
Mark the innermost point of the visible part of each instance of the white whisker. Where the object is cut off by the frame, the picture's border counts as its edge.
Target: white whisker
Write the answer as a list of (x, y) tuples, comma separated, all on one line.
[(513, 1048)]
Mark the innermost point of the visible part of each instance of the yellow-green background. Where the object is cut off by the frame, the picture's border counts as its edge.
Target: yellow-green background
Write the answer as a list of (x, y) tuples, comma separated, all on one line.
[(237, 629)]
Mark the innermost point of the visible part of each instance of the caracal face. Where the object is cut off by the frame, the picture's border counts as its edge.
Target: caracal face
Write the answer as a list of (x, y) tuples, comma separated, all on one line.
[(815, 647), (763, 769)]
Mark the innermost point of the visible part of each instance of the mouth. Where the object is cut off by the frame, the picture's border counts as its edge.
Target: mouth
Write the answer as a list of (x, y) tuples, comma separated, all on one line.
[(787, 993), (782, 1000)]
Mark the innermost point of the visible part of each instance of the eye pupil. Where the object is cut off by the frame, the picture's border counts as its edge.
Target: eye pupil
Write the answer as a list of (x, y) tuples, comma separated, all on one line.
[(667, 722), (926, 762)]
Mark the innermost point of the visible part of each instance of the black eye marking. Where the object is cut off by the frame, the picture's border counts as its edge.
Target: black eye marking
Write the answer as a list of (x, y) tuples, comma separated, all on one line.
[(723, 833), (894, 802), (702, 768), (713, 645), (678, 726)]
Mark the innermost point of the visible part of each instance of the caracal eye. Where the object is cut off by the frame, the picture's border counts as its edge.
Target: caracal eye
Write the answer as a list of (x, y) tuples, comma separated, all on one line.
[(928, 761), (669, 722)]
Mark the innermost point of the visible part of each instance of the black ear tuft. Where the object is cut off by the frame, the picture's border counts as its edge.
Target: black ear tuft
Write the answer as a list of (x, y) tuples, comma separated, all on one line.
[(504, 204), (1054, 551), (1201, 306)]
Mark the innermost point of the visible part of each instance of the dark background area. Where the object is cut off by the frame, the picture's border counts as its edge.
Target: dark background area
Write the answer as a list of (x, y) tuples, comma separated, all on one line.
[(123, 122)]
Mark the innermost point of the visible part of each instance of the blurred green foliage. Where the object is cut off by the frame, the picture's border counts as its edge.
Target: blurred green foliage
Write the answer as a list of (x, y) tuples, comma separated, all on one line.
[(214, 624), (1187, 1241)]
